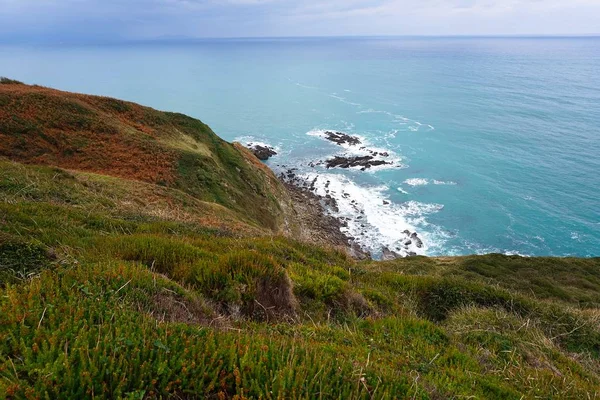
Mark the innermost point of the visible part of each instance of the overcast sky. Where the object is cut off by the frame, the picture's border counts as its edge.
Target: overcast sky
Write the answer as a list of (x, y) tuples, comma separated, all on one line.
[(146, 19)]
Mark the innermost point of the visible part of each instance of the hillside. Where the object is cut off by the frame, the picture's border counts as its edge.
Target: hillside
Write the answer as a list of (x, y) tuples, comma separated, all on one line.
[(120, 139), (143, 257)]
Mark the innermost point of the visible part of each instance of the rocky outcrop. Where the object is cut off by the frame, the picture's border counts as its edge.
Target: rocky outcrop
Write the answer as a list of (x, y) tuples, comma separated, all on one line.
[(412, 237), (263, 153), (342, 138), (388, 255), (364, 162)]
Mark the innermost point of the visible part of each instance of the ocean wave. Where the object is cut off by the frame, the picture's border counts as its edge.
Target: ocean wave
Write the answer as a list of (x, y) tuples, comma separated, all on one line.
[(446, 183), (416, 182), (372, 219), (344, 100), (413, 125), (424, 182), (301, 84)]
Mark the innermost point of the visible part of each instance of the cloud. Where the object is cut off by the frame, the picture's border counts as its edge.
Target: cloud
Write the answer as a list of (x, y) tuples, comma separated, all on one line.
[(139, 19)]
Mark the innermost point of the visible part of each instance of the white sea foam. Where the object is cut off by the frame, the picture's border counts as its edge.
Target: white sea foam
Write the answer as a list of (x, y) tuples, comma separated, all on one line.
[(476, 248), (301, 84), (416, 182), (402, 191), (424, 182), (446, 183), (413, 125), (373, 220), (344, 100)]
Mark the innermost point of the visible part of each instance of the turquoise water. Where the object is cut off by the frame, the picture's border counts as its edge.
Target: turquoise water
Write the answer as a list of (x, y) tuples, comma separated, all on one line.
[(496, 140)]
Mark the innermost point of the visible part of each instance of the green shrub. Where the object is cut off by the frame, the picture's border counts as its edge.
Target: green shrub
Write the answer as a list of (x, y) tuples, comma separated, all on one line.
[(20, 260), (249, 281), (162, 254)]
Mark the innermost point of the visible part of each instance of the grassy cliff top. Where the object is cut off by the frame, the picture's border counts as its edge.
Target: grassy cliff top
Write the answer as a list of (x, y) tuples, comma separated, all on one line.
[(122, 280), (110, 137)]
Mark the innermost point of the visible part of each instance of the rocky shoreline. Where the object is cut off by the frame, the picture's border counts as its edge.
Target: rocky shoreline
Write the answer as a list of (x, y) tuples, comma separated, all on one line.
[(314, 211), (318, 225)]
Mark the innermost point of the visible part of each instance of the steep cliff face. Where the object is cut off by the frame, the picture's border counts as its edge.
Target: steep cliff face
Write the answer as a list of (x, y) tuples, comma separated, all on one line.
[(125, 140)]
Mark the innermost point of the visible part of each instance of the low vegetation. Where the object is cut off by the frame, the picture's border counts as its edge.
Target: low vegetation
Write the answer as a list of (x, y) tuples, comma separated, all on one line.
[(129, 288)]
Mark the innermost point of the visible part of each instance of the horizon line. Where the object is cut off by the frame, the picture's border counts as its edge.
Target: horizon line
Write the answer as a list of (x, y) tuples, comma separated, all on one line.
[(174, 38)]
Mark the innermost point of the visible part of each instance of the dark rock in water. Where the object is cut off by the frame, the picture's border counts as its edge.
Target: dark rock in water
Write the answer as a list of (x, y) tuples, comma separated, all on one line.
[(389, 255), (386, 203), (263, 153), (417, 240), (365, 162), (406, 232), (411, 254), (331, 203), (385, 154), (342, 138)]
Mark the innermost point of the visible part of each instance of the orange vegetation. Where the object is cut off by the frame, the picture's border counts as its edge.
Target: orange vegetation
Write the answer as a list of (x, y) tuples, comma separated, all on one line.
[(45, 126)]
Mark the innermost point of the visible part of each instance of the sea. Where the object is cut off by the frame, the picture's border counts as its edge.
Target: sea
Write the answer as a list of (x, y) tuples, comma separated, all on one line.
[(493, 142)]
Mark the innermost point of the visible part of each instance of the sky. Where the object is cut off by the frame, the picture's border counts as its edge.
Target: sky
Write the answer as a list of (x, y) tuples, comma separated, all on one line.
[(97, 20)]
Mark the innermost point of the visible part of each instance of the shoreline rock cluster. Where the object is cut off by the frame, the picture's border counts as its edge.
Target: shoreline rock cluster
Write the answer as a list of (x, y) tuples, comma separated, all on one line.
[(304, 193), (322, 227), (344, 161), (411, 238)]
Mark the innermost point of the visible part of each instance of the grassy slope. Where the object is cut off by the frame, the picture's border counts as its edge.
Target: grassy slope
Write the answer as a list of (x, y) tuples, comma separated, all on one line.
[(112, 137), (114, 288)]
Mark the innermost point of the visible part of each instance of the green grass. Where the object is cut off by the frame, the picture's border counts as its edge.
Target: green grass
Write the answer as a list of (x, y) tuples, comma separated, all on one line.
[(98, 301)]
